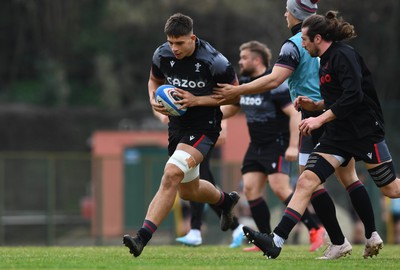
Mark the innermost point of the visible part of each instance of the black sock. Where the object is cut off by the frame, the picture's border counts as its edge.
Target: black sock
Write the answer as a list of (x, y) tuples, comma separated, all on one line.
[(362, 205), (326, 212), (307, 218), (261, 215), (288, 221), (225, 201), (146, 232), (196, 212)]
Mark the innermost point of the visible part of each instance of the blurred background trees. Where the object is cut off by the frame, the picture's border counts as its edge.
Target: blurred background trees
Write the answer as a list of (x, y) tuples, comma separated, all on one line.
[(97, 53)]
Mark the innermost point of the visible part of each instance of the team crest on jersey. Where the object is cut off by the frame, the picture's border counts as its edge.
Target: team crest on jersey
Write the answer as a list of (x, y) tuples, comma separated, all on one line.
[(172, 63), (197, 67)]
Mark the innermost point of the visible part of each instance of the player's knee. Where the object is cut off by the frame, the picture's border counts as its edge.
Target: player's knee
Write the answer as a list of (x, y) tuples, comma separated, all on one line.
[(251, 192), (185, 166), (281, 186), (171, 178), (307, 182), (282, 193), (172, 172)]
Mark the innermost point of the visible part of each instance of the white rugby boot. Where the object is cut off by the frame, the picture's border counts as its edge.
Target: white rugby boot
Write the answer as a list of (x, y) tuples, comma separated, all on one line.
[(373, 245), (337, 251)]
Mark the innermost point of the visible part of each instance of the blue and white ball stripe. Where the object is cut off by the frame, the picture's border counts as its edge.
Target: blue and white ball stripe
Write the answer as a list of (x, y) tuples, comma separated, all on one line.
[(165, 95)]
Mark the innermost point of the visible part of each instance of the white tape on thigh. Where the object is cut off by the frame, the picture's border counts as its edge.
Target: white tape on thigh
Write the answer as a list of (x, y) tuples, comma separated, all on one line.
[(191, 175), (179, 158)]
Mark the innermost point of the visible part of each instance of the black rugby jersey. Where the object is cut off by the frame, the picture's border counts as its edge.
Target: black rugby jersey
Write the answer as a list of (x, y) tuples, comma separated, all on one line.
[(197, 74), (265, 119), (348, 90)]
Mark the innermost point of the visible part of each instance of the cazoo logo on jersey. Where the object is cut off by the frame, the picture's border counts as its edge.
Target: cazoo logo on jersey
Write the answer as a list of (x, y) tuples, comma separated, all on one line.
[(185, 83), (250, 101)]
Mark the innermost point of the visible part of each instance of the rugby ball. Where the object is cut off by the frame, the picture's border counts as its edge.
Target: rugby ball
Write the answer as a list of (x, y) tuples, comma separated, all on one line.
[(165, 94)]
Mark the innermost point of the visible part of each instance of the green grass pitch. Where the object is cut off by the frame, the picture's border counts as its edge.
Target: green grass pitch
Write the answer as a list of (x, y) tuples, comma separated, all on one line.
[(181, 257)]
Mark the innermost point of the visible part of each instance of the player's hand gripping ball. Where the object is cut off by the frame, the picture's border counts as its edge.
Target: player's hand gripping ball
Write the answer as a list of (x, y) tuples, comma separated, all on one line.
[(165, 94)]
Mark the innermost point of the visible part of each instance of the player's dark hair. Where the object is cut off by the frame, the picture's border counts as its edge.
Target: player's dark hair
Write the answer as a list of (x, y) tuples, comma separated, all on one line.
[(330, 27), (259, 48), (178, 25)]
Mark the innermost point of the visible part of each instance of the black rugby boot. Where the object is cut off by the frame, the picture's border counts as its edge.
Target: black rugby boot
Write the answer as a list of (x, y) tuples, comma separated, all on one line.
[(264, 241), (134, 244), (227, 215)]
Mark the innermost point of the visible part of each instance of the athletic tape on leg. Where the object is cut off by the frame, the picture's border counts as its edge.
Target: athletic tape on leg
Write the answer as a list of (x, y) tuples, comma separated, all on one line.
[(320, 166), (383, 174), (181, 159)]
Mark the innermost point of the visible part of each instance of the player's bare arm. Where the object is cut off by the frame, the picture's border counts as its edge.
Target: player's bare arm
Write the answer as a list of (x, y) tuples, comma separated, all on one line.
[(308, 104), (190, 100), (264, 83), (292, 151)]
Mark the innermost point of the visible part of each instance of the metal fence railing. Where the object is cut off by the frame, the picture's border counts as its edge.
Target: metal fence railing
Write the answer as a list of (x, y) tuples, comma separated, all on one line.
[(41, 197)]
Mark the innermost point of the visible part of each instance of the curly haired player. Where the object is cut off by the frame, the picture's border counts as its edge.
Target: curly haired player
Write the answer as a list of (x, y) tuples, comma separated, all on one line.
[(354, 127), (301, 70)]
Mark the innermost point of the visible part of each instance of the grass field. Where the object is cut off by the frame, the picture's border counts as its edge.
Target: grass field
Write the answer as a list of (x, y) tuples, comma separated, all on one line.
[(180, 257)]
